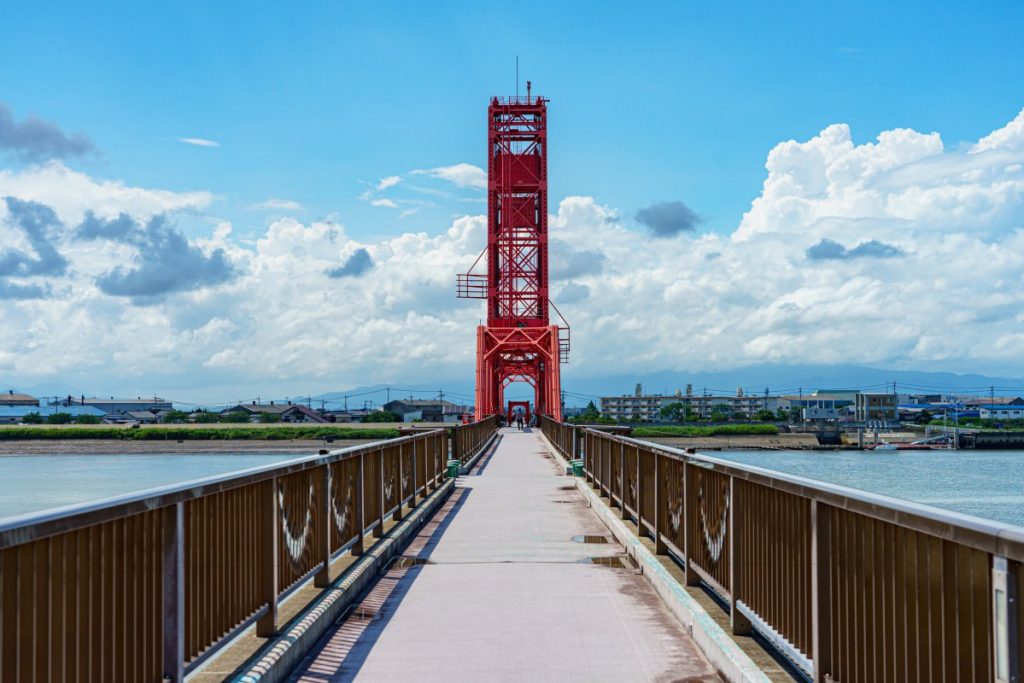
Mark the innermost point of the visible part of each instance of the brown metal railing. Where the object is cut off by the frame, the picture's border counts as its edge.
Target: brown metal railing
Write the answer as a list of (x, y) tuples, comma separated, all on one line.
[(149, 585), (850, 585), (468, 439)]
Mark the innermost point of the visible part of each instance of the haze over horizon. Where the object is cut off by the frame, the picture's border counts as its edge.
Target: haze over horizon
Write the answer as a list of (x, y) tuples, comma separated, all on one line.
[(283, 207)]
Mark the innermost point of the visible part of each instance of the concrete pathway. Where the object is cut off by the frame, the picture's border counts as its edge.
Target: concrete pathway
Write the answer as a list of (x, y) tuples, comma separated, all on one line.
[(501, 591)]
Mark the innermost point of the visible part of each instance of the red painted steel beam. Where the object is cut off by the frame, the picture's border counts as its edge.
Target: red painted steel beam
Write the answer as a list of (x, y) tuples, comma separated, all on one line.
[(518, 343)]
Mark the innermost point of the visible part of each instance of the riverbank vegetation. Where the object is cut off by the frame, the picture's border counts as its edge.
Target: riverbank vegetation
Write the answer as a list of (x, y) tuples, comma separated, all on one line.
[(275, 433)]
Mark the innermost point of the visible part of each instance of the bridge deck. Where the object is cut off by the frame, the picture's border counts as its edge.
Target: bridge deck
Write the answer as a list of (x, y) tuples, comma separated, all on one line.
[(507, 593)]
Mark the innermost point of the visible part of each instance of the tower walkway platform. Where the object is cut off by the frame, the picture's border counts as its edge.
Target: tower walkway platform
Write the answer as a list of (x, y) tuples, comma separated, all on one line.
[(517, 579)]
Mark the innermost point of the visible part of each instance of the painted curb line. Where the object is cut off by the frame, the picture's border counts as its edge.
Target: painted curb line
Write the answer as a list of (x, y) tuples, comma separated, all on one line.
[(721, 650)]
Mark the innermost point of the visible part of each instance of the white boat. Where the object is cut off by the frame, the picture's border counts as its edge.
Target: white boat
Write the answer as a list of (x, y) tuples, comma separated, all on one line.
[(885, 446)]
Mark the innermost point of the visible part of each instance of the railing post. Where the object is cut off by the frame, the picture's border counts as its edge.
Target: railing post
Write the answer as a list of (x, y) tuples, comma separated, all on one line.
[(739, 623), (690, 577), (360, 545), (323, 576), (821, 608), (400, 494), (659, 507), (1005, 626), (267, 625), (639, 502), (415, 480), (456, 451), (378, 531), (622, 481), (174, 592)]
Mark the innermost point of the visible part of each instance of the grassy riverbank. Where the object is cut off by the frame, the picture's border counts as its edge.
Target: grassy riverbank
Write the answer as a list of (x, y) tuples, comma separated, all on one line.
[(713, 430), (190, 433)]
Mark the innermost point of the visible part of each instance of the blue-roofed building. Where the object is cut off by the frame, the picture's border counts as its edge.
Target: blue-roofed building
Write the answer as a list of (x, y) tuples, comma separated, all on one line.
[(16, 414)]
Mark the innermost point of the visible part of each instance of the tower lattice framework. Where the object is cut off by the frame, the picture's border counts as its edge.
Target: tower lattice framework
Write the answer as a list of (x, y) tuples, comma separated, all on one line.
[(519, 342)]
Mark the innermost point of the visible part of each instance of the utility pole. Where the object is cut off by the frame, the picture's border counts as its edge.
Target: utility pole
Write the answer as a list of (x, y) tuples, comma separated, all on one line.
[(802, 411), (388, 390), (895, 402)]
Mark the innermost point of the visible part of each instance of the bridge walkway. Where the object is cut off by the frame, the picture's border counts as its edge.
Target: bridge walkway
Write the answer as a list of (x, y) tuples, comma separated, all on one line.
[(500, 586)]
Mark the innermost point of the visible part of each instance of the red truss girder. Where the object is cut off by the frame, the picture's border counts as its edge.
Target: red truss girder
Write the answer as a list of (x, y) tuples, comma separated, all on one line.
[(518, 354), (518, 343)]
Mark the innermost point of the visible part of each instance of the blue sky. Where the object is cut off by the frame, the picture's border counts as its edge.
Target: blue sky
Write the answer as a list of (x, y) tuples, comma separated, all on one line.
[(655, 102), (730, 186)]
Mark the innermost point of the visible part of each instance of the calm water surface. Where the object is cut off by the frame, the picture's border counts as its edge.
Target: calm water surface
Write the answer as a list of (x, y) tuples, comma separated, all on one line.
[(29, 483), (986, 484)]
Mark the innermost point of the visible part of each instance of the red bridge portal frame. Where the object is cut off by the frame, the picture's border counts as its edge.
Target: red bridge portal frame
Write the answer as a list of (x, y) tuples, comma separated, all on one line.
[(518, 343)]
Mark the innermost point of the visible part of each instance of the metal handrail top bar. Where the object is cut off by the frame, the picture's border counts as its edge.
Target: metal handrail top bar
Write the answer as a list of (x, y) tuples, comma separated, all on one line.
[(23, 528), (989, 535)]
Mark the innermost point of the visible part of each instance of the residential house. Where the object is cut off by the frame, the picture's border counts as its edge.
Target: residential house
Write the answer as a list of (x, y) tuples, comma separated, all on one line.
[(117, 406), (13, 399), (822, 405), (427, 410), (286, 412)]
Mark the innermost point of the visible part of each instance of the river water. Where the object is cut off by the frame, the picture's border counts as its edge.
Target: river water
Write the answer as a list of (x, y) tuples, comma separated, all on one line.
[(987, 484), (29, 483)]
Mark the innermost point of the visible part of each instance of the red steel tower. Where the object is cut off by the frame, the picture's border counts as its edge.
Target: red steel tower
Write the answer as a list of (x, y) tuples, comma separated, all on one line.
[(518, 343)]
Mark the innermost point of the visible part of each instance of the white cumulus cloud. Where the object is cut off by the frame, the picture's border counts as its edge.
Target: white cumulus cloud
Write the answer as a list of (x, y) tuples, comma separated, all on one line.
[(905, 251), (462, 175)]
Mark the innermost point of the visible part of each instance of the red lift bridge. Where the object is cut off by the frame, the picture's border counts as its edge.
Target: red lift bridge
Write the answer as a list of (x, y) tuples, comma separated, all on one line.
[(519, 342)]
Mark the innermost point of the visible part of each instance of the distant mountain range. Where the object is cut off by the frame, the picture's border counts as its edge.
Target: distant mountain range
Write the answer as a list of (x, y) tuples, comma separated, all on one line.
[(754, 379)]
